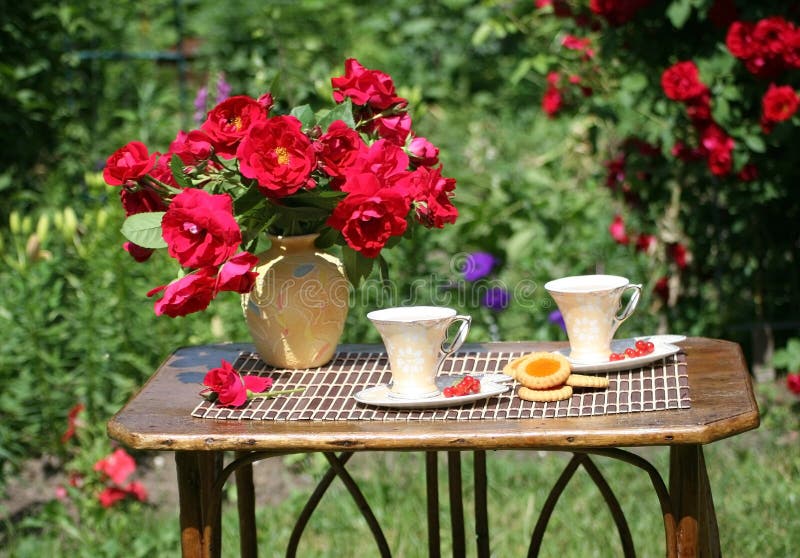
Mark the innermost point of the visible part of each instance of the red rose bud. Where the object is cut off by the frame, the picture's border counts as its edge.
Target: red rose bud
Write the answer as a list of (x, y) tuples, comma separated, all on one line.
[(423, 152)]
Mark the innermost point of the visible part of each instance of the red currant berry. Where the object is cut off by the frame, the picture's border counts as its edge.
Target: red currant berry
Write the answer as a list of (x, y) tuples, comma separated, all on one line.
[(615, 356), (641, 344), (630, 352), (448, 391), (649, 347)]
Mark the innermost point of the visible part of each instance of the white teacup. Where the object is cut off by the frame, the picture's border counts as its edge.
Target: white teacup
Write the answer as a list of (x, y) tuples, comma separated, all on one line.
[(416, 343), (590, 307)]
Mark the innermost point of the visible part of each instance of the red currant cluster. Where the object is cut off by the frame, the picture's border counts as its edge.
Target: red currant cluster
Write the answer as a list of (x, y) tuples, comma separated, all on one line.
[(642, 348), (466, 386)]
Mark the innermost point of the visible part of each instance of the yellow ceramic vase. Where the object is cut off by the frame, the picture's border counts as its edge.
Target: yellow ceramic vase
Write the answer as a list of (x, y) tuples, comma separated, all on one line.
[(298, 305)]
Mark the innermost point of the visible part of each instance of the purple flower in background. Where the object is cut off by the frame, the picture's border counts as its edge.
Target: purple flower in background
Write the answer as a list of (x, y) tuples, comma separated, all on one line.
[(200, 103), (496, 298), (223, 89), (478, 265), (556, 318)]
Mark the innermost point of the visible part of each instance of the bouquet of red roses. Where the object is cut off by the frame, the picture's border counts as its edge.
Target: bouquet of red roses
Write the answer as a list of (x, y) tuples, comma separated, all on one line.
[(355, 174)]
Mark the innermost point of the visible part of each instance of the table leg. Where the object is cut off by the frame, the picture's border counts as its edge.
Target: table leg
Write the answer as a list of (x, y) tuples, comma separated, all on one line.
[(246, 505), (456, 503), (197, 472), (432, 496), (481, 504), (690, 491)]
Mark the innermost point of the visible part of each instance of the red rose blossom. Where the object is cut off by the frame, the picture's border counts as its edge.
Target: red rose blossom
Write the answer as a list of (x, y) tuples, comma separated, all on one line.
[(617, 230), (370, 214), (432, 195), (679, 255), (771, 35), (552, 101), (779, 103), (645, 243), (199, 228), (339, 148), (661, 289), (162, 171), (681, 81), (141, 200), (739, 39), (127, 164), (698, 109), (365, 87), (793, 383), (192, 147), (231, 388), (384, 159), (110, 495), (137, 490), (395, 128), (191, 293), (118, 466), (279, 156), (228, 122), (718, 146), (236, 274)]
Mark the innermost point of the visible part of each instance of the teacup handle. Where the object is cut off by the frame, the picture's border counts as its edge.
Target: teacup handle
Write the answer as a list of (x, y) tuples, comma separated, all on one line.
[(449, 348), (637, 292)]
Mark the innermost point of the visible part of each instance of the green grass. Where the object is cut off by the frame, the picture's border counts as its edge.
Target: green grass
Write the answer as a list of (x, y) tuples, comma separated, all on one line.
[(753, 477)]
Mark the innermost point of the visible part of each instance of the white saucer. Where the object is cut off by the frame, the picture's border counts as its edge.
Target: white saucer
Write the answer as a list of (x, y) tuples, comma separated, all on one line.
[(380, 396), (660, 351), (669, 339)]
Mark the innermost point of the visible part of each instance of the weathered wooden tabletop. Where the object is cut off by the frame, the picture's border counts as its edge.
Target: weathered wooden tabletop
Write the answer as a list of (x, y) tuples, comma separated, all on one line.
[(158, 417)]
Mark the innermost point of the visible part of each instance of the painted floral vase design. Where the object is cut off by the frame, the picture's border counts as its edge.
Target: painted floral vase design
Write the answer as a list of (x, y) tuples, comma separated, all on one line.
[(298, 306)]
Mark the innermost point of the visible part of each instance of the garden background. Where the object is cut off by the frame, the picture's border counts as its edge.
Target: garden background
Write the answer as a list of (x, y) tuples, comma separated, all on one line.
[(573, 152)]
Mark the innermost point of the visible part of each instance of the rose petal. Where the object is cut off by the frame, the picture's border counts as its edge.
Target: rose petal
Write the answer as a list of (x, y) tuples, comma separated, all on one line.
[(257, 384)]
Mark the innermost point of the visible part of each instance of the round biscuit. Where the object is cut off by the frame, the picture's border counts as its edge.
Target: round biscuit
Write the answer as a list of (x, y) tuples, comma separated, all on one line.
[(544, 395), (586, 381), (510, 368), (532, 381)]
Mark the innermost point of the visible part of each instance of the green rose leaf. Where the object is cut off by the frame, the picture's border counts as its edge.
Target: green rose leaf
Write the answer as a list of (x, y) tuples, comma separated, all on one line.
[(144, 229), (357, 267), (343, 112), (176, 166), (678, 12), (755, 143), (305, 115)]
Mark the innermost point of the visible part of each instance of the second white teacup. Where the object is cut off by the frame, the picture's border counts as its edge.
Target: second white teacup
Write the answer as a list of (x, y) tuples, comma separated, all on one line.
[(590, 307), (416, 343)]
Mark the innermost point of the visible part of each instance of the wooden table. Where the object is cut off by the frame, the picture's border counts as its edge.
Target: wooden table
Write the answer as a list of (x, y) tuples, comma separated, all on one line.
[(723, 404)]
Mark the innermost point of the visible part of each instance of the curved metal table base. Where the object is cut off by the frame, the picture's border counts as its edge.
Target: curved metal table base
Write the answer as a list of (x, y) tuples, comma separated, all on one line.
[(242, 467)]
